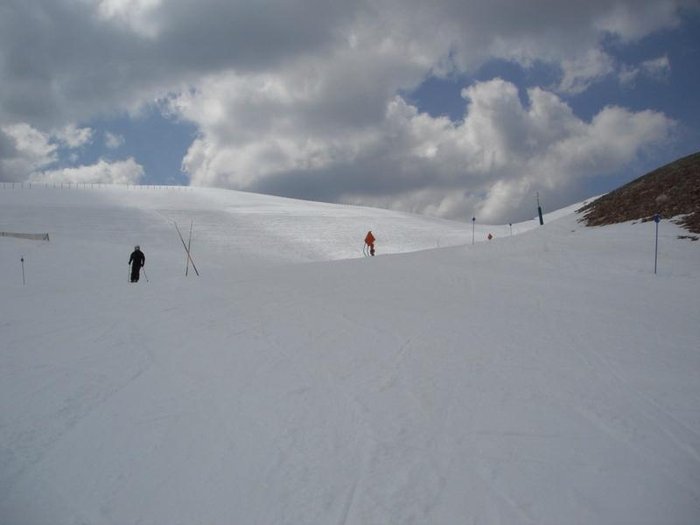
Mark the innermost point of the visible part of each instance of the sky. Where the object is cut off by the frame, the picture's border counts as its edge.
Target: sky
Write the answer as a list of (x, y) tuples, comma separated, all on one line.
[(448, 108)]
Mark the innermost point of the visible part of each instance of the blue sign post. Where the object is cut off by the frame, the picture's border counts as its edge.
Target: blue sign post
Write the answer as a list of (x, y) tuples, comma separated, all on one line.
[(657, 220)]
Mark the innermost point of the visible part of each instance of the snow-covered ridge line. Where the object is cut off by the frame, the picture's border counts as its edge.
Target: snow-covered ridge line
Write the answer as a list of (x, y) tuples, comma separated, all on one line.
[(231, 220)]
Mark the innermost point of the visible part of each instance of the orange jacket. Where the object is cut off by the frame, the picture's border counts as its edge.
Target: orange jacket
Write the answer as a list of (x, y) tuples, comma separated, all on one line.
[(369, 239)]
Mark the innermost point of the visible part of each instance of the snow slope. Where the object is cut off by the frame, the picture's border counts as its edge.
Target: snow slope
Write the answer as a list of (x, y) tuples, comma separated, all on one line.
[(547, 377)]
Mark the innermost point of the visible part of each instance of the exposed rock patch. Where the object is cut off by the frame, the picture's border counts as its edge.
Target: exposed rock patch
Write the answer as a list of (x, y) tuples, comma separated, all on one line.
[(672, 190)]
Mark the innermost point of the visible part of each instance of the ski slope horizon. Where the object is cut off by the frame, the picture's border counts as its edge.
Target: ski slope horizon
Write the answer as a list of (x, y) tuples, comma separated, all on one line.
[(542, 377), (251, 222)]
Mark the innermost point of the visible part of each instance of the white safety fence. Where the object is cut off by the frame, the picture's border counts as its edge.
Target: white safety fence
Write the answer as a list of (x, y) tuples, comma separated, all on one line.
[(32, 236)]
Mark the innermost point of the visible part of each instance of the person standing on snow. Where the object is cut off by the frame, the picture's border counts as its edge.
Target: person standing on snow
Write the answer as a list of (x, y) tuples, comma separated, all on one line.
[(369, 241), (137, 261)]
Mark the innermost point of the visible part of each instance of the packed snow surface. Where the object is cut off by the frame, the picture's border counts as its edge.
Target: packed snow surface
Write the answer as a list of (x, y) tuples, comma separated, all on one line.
[(543, 377)]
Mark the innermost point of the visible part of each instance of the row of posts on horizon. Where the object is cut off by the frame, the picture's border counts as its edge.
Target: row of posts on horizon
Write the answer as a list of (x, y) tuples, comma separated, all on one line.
[(88, 185), (657, 220), (510, 224)]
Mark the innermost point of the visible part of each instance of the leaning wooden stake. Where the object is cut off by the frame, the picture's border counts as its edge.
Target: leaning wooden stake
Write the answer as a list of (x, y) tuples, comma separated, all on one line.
[(189, 255), (189, 249)]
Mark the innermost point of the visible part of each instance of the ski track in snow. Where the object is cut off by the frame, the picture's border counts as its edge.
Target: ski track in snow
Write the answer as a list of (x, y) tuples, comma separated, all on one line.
[(543, 378)]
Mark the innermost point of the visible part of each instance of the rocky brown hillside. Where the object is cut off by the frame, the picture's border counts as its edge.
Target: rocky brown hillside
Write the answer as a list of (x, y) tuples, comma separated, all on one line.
[(672, 190)]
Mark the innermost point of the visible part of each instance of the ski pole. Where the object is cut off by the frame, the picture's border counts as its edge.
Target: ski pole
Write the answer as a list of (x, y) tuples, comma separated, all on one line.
[(144, 274), (23, 281)]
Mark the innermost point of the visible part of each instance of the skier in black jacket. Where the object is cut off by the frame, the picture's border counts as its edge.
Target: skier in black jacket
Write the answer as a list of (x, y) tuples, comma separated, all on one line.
[(137, 260)]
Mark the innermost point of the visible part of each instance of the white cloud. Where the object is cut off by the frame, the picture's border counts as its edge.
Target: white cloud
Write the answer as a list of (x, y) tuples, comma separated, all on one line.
[(656, 69), (628, 75), (634, 20), (136, 15), (73, 137), (301, 97), (113, 141), (29, 154), (24, 150), (121, 172), (581, 71), (489, 162), (98, 56), (539, 147)]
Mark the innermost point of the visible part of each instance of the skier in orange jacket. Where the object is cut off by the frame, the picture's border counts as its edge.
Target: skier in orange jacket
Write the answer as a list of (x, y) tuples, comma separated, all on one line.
[(369, 241)]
